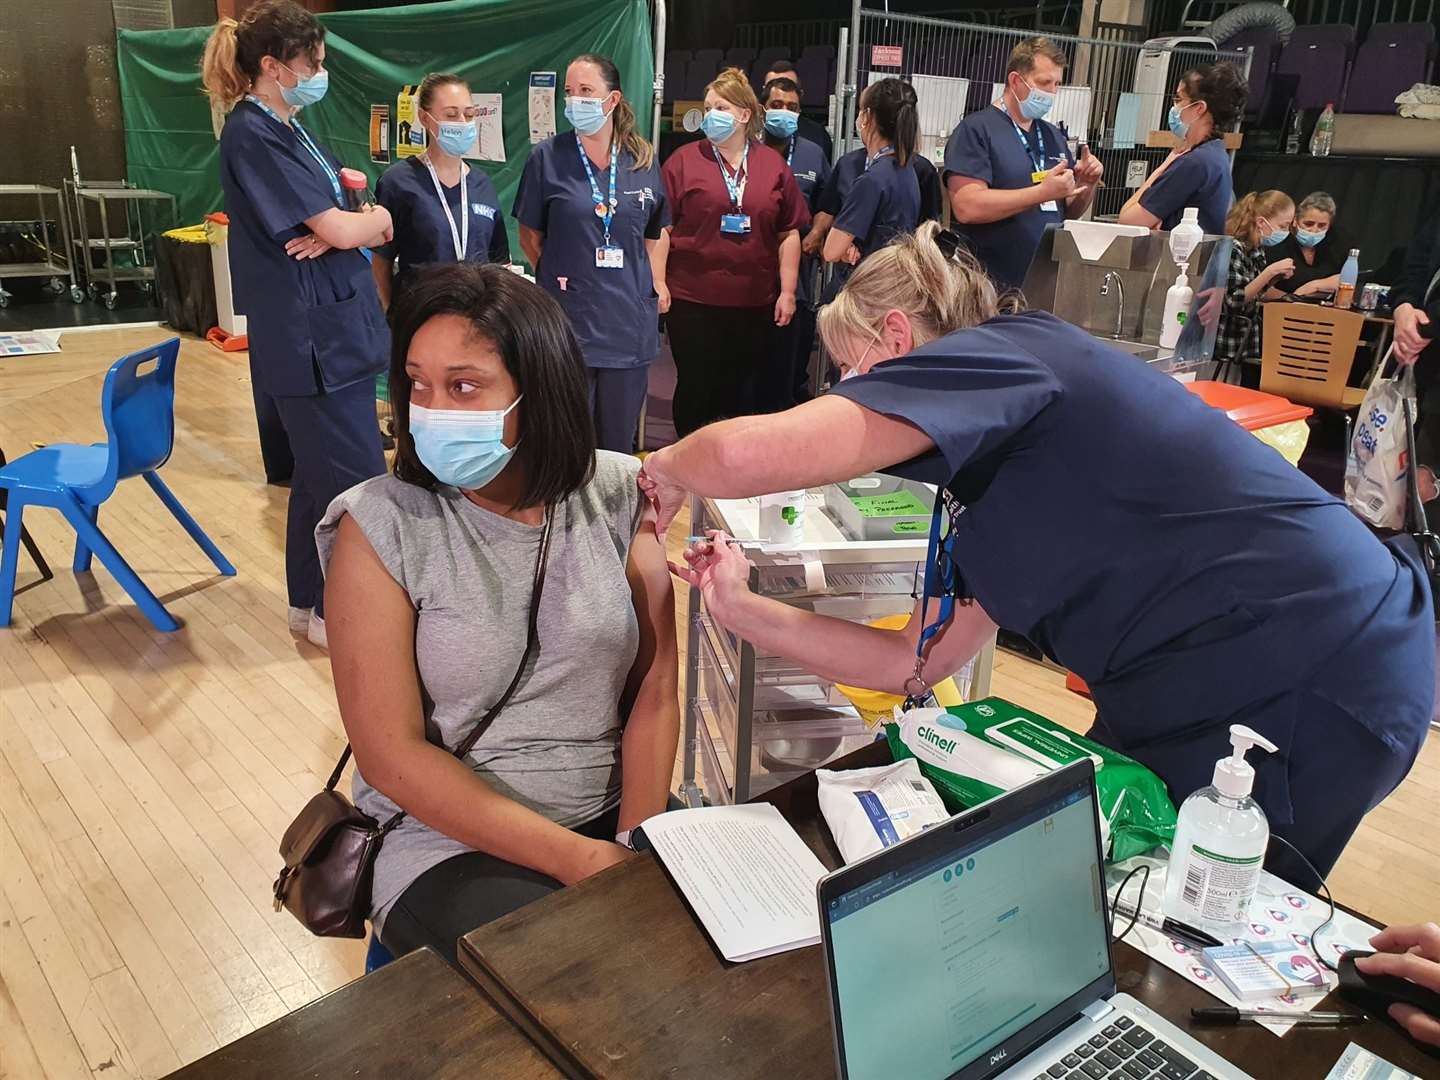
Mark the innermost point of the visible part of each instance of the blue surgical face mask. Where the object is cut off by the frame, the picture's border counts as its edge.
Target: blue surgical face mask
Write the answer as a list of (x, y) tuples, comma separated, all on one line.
[(464, 448), (781, 122), (1309, 239), (1037, 104), (718, 125), (455, 136), (1179, 128), (1279, 236), (305, 91), (587, 115)]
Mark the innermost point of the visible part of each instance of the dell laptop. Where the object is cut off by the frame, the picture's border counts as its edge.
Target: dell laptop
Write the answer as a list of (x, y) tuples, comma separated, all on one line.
[(981, 948)]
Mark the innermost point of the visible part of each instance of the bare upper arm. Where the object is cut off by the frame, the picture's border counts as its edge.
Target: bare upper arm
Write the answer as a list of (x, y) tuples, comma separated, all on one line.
[(652, 592), (1135, 214), (370, 624)]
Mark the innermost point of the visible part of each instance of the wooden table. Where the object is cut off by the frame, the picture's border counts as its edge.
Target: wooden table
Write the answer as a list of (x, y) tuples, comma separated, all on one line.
[(414, 1017), (615, 978)]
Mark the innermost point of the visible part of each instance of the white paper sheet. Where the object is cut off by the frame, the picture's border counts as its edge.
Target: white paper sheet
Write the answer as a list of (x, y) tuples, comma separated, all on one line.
[(542, 106), (30, 343), (1357, 1063), (747, 875), (1280, 911), (489, 142)]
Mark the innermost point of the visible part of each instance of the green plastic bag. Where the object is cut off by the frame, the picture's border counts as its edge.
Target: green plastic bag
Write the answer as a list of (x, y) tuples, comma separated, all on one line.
[(978, 750)]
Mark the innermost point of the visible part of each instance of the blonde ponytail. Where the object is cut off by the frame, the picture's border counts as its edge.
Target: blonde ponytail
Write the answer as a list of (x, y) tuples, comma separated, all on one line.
[(1240, 222), (220, 72), (912, 275)]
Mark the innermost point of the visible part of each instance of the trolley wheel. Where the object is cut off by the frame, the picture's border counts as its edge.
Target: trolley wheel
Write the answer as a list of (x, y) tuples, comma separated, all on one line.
[(4, 300), (55, 286), (93, 291), (111, 299), (77, 294), (149, 287)]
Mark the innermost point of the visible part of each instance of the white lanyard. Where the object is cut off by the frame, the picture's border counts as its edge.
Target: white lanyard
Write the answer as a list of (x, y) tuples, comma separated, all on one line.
[(884, 151), (459, 237)]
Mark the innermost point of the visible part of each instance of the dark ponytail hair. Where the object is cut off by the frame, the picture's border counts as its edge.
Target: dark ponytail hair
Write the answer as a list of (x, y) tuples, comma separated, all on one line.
[(279, 28), (896, 112), (1223, 89)]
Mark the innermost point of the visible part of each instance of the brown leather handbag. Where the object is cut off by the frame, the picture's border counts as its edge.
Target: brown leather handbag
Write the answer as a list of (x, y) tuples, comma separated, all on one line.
[(330, 847)]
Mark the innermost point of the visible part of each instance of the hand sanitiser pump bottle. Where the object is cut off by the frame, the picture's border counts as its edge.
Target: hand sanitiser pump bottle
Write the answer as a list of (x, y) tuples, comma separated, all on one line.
[(1183, 240), (1220, 841)]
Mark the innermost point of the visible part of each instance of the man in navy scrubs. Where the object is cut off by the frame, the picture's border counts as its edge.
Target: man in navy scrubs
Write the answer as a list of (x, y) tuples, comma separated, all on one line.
[(788, 383), (1009, 172)]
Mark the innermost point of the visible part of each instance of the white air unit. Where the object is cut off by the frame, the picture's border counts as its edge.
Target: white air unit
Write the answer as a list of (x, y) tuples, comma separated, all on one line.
[(1158, 71)]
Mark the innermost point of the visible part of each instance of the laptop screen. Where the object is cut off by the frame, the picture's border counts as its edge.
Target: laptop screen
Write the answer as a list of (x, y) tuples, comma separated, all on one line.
[(939, 962)]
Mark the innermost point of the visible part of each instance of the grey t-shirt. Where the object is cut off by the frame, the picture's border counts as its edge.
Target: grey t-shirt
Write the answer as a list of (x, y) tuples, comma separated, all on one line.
[(556, 746)]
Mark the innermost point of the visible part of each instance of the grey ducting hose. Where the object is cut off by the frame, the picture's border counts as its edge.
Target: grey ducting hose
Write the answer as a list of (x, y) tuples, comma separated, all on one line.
[(1261, 14)]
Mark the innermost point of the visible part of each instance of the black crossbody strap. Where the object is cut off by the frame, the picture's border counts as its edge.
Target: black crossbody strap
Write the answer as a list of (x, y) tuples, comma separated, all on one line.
[(532, 642)]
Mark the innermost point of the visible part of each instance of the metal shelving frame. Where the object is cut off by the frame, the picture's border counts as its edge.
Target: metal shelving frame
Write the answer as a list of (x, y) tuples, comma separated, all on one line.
[(734, 663), (103, 193), (58, 261)]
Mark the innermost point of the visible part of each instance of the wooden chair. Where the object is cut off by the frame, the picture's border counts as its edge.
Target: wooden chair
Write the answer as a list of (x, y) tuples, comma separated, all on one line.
[(1307, 352)]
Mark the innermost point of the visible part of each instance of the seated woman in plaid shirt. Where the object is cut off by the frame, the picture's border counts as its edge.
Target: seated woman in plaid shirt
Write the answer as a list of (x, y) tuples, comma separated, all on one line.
[(1256, 222)]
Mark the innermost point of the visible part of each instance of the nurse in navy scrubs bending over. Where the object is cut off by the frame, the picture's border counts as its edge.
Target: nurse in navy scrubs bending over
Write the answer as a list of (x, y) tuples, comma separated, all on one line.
[(592, 210), (317, 334), (443, 210), (1184, 569)]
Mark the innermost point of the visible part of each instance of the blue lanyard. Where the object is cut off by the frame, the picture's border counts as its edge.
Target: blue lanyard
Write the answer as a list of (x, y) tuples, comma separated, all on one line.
[(732, 184), (884, 151), (790, 154), (605, 211), (944, 580), (309, 144), (1030, 150)]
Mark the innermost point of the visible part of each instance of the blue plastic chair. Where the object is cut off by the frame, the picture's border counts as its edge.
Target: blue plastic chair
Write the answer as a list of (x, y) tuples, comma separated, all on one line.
[(377, 955), (139, 411)]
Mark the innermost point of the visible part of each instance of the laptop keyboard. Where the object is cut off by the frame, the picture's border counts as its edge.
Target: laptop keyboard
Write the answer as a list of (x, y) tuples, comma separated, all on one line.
[(1125, 1051)]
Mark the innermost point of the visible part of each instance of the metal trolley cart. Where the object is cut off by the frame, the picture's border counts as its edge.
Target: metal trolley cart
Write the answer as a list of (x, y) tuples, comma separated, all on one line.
[(115, 198), (755, 720), (50, 241)]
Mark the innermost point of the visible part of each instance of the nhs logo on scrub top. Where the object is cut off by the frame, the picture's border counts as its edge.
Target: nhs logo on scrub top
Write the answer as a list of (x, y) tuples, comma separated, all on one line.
[(483, 210), (643, 196)]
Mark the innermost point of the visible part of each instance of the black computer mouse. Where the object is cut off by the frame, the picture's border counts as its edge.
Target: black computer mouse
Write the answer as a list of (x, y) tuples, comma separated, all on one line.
[(1376, 993)]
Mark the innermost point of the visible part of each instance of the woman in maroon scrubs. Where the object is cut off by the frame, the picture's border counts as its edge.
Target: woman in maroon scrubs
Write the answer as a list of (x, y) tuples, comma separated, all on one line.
[(737, 216)]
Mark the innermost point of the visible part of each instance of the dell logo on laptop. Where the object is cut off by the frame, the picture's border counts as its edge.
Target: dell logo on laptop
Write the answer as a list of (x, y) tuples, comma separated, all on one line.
[(997, 1057)]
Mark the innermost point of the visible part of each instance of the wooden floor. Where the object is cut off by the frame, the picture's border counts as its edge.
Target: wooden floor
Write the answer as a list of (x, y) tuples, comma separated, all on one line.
[(145, 777)]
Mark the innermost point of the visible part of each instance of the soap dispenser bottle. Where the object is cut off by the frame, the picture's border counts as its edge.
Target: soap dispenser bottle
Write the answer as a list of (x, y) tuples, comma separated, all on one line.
[(1184, 238), (1219, 850)]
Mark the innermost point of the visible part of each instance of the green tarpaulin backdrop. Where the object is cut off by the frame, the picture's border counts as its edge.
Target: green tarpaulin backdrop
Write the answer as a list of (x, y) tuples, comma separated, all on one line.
[(495, 44)]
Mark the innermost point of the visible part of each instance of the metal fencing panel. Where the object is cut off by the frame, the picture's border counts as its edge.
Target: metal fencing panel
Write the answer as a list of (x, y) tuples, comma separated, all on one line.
[(1115, 97)]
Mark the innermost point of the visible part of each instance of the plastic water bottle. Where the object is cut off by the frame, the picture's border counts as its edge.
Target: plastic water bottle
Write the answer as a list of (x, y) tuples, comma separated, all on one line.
[(1297, 125), (1324, 133), (1345, 294)]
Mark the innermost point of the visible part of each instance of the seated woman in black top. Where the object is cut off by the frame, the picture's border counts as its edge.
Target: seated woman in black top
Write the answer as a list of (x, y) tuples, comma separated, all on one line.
[(1315, 248)]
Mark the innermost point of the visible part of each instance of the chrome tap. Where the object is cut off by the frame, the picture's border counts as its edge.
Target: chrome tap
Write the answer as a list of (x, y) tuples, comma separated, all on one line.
[(1111, 275)]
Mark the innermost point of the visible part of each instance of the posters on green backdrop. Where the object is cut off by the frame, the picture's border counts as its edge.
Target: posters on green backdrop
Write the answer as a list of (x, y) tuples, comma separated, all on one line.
[(371, 55)]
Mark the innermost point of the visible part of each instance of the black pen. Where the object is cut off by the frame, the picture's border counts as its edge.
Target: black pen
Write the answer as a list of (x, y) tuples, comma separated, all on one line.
[(1228, 1014), (1188, 935)]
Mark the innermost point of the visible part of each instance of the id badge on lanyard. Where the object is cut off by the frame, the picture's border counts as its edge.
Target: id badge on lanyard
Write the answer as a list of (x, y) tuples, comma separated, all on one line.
[(1050, 205), (608, 256), (737, 222)]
